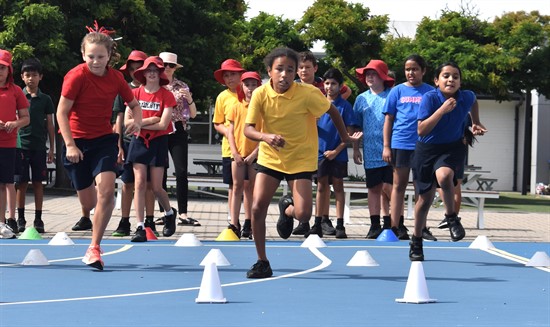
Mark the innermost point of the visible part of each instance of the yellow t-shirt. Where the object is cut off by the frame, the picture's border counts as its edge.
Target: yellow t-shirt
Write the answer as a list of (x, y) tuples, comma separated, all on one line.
[(237, 115), (225, 101), (292, 115)]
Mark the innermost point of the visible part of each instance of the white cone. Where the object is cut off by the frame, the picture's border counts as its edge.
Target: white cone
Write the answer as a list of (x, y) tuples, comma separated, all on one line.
[(416, 290), (362, 259), (35, 258), (211, 288), (188, 239), (61, 238), (539, 259), (216, 256), (482, 242), (313, 241)]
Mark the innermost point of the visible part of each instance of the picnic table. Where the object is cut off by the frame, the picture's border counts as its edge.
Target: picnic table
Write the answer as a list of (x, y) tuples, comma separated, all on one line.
[(213, 167)]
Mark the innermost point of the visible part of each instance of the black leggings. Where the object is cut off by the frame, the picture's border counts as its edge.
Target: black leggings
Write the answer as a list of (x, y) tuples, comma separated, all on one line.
[(178, 147)]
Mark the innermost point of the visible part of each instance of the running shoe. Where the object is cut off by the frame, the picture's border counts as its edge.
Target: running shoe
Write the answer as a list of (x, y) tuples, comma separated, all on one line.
[(21, 224), (327, 227), (247, 229), (341, 232), (261, 269), (427, 235), (235, 229), (140, 235), (315, 229), (123, 228), (39, 225), (285, 223), (5, 231), (149, 222), (93, 257), (416, 253), (13, 225), (84, 223), (301, 229), (170, 224)]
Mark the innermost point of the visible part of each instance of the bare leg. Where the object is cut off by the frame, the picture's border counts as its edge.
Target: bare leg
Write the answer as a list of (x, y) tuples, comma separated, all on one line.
[(264, 189), (421, 210), (105, 182), (400, 182)]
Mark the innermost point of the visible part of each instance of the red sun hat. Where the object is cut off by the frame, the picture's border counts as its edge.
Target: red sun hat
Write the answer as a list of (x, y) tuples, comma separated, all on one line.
[(135, 56), (230, 65), (5, 59), (157, 62), (380, 68), (247, 75)]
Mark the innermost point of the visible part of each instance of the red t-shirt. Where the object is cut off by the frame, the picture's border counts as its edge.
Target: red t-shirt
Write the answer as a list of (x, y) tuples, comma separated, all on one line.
[(153, 104), (93, 96), (12, 99)]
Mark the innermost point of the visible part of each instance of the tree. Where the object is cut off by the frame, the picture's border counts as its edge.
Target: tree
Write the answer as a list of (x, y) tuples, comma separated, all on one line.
[(352, 36), (262, 34)]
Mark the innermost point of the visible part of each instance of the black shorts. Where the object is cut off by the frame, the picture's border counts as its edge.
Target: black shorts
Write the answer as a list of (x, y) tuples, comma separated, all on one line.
[(430, 157), (36, 161), (401, 158), (100, 155), (332, 168), (7, 165), (127, 175), (280, 176), (377, 176), (227, 175), (155, 153)]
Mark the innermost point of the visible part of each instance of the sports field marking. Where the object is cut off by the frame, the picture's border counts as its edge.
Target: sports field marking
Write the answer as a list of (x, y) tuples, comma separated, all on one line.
[(513, 257), (122, 249), (325, 262)]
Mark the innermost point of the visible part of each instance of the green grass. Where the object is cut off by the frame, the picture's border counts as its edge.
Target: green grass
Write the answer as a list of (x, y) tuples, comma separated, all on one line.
[(513, 201)]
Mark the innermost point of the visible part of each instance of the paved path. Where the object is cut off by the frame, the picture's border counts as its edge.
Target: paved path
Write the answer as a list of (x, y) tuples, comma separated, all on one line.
[(61, 212)]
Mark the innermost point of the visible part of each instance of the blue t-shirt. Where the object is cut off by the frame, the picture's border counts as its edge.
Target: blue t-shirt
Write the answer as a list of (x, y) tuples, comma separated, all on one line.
[(369, 116), (329, 139), (451, 126), (402, 103)]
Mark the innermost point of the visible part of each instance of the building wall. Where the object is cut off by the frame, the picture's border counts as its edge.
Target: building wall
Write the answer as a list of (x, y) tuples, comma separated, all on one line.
[(540, 155)]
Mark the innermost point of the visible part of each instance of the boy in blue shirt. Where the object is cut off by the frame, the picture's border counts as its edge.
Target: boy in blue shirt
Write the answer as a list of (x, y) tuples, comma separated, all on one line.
[(332, 160)]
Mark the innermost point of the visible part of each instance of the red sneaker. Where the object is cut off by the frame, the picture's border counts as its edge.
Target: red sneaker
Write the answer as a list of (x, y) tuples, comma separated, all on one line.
[(93, 257)]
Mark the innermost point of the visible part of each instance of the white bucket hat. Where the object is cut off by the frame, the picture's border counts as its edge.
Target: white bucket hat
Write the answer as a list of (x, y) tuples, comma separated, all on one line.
[(170, 58)]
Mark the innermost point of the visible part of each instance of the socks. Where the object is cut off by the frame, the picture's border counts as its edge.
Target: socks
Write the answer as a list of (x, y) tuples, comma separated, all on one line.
[(169, 212), (37, 214), (318, 220), (21, 213), (340, 222), (141, 223)]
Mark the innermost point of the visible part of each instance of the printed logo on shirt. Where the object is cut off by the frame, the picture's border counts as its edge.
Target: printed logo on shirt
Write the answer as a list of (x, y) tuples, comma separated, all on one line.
[(152, 106), (410, 99)]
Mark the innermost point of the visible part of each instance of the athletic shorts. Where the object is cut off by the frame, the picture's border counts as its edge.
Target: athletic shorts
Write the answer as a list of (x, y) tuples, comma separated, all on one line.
[(280, 176), (7, 165), (33, 160), (149, 153), (100, 155), (401, 158), (227, 175), (430, 157), (377, 176), (332, 168)]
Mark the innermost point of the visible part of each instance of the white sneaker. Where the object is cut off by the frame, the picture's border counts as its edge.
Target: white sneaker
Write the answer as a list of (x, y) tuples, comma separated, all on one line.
[(5, 231)]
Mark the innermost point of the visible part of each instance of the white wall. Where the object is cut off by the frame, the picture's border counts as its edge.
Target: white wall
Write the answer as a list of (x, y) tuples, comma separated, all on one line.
[(540, 154)]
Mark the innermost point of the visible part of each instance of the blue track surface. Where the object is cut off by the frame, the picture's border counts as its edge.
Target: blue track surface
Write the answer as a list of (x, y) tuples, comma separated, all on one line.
[(155, 284)]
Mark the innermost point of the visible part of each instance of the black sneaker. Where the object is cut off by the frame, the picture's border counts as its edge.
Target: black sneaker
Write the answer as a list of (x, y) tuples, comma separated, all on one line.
[(374, 231), (403, 232), (13, 225), (341, 232), (247, 229), (170, 224), (427, 235), (21, 224), (444, 224), (123, 228), (261, 269), (455, 228), (326, 226), (315, 229), (39, 225), (301, 229), (235, 229), (140, 235), (84, 223), (416, 253), (285, 223), (149, 222)]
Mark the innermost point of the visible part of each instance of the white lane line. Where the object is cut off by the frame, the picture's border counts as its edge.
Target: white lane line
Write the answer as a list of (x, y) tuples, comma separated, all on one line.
[(512, 257), (122, 249), (325, 262)]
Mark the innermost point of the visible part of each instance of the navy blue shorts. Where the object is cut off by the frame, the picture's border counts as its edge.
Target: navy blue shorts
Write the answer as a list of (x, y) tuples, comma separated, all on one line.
[(227, 174), (401, 158), (127, 175), (154, 154), (280, 176), (377, 176), (100, 155), (430, 157), (36, 161), (7, 165), (332, 168)]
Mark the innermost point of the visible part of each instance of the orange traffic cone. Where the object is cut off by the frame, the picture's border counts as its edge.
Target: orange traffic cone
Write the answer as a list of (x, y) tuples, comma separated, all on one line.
[(150, 235)]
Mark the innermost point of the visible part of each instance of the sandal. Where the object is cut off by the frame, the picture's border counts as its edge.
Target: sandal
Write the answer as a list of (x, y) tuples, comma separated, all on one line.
[(188, 222)]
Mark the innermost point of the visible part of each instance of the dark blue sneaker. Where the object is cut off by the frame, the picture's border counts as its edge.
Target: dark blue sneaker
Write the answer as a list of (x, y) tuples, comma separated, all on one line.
[(170, 224), (261, 269), (285, 223)]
